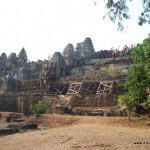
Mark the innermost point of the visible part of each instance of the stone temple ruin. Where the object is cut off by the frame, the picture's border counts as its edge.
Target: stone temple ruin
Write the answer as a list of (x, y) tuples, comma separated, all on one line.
[(89, 78)]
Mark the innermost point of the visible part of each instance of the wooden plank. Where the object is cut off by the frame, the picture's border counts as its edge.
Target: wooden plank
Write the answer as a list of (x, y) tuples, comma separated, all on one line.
[(74, 88), (57, 89), (88, 87), (105, 87)]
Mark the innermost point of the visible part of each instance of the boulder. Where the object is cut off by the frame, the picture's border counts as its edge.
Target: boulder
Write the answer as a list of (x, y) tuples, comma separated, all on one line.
[(15, 126), (7, 131), (22, 126)]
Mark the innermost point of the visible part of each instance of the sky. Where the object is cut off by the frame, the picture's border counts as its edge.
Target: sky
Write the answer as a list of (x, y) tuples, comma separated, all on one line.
[(43, 27)]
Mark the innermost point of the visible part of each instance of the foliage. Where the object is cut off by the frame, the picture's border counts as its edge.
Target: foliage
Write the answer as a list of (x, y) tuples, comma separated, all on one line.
[(126, 100), (146, 103), (139, 79), (118, 12), (141, 55), (39, 108)]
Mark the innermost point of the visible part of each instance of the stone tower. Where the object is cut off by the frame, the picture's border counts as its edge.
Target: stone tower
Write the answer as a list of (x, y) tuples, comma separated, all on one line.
[(88, 47), (80, 50), (3, 62), (58, 63), (85, 49), (22, 57), (68, 54)]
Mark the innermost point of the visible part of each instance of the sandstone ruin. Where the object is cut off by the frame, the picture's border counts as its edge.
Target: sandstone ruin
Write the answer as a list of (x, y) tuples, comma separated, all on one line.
[(76, 72)]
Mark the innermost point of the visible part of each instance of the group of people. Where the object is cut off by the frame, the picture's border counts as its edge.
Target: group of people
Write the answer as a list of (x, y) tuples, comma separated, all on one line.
[(125, 51)]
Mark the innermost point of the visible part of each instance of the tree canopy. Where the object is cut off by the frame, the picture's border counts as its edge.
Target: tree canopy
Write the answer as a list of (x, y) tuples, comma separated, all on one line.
[(139, 79), (118, 11)]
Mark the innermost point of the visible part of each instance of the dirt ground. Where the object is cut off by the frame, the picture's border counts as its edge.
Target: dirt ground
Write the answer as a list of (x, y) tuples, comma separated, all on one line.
[(58, 132)]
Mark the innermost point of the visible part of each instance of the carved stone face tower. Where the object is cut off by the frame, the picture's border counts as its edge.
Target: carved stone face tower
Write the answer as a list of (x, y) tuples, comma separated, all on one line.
[(22, 57), (3, 62), (88, 47), (85, 49), (68, 54), (57, 61)]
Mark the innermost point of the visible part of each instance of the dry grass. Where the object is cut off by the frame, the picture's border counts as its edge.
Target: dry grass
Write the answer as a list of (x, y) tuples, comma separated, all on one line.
[(65, 120), (81, 133)]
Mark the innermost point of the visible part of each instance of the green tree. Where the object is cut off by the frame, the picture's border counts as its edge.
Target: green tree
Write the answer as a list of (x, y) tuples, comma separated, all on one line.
[(38, 108), (139, 79), (118, 11)]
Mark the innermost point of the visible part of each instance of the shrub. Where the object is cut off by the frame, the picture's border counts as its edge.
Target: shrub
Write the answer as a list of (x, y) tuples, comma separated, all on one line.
[(39, 108)]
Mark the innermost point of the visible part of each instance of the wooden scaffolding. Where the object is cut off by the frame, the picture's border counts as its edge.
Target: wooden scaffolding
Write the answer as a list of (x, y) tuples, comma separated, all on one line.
[(29, 86), (48, 76), (74, 88), (58, 89), (105, 87), (89, 87)]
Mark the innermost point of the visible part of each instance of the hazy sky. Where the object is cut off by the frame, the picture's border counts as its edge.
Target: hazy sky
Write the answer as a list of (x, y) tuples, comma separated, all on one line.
[(45, 26)]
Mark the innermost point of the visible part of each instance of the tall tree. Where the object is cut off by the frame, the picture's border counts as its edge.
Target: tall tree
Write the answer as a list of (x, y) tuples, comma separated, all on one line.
[(139, 80), (118, 11)]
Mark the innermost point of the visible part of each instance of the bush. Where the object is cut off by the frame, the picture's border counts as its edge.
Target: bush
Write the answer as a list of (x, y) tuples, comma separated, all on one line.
[(39, 108)]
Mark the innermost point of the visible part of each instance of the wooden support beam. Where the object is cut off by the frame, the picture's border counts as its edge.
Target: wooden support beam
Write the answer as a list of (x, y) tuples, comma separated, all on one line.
[(105, 87), (30, 86), (57, 89), (88, 87), (74, 88)]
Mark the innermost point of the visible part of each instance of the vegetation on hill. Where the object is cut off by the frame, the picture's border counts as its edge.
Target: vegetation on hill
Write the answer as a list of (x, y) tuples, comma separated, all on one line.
[(39, 108), (139, 79)]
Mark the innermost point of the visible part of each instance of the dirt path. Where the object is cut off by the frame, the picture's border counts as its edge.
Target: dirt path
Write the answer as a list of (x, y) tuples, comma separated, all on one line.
[(91, 133)]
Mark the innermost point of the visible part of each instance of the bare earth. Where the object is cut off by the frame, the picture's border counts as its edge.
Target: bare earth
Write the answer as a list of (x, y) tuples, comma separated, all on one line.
[(80, 133)]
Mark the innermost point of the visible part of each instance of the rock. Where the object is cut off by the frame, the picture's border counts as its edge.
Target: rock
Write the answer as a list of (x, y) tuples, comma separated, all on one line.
[(21, 126), (30, 126), (8, 119), (114, 108), (119, 113), (7, 131), (67, 110), (124, 112), (106, 113), (15, 126), (19, 119), (113, 113)]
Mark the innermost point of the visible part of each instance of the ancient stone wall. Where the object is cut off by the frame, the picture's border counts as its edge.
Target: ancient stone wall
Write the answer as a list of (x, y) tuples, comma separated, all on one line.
[(106, 70), (101, 100), (18, 103), (21, 103)]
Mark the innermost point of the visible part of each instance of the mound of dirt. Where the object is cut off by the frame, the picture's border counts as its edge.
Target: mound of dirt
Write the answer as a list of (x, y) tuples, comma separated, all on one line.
[(53, 120)]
